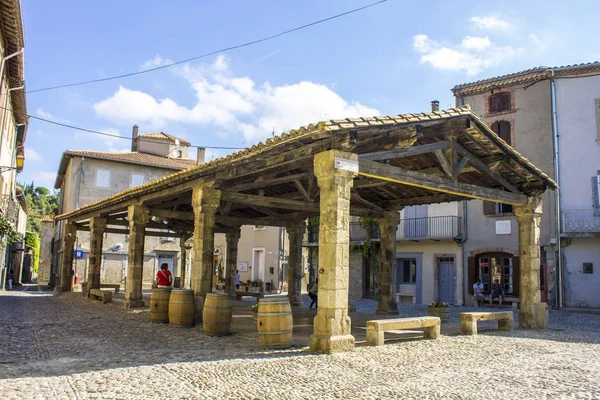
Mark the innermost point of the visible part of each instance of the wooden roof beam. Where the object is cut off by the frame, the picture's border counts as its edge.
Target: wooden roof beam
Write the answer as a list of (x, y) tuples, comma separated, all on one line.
[(477, 163), (406, 177), (273, 202), (405, 152), (266, 183)]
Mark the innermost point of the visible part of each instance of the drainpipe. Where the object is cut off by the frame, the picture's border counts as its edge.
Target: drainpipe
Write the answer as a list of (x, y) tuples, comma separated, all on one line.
[(558, 259), (464, 258)]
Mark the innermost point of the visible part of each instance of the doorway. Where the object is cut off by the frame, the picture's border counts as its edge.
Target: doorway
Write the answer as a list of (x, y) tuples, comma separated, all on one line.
[(446, 279), (258, 263), (169, 259)]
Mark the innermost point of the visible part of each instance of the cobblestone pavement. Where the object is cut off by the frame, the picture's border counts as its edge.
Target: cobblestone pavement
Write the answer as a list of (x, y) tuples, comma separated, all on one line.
[(70, 348)]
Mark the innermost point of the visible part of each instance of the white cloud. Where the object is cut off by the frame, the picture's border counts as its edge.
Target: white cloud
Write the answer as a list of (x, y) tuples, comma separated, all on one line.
[(234, 105), (33, 155), (538, 44), (110, 142), (43, 114), (491, 23), (476, 43), (472, 56), (157, 61), (45, 179)]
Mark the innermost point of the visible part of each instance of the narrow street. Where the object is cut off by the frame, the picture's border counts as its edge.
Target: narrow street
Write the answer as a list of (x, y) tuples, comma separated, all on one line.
[(70, 348)]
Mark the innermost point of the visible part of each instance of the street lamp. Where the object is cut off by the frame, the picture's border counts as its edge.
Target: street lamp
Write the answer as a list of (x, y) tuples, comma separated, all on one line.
[(20, 161)]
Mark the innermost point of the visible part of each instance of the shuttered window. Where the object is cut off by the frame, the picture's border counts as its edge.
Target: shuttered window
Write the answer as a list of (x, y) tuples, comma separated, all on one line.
[(499, 102), (596, 193), (502, 129)]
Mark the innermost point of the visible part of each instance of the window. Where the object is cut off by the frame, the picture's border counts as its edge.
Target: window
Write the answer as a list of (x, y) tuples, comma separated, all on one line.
[(491, 208), (596, 193), (499, 102), (496, 267), (137, 180), (502, 129), (409, 271), (102, 178)]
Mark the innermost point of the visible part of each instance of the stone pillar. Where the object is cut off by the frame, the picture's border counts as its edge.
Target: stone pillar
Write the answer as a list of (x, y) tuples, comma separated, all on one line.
[(97, 226), (66, 278), (532, 313), (388, 225), (182, 260), (296, 234), (138, 218), (332, 325), (205, 201), (232, 237)]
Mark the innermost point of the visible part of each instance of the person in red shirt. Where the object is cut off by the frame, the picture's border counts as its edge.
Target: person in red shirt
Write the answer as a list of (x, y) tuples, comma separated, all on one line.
[(163, 277)]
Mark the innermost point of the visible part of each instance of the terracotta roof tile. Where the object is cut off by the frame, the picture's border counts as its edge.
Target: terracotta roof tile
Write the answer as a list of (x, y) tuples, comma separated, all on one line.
[(136, 158), (164, 136)]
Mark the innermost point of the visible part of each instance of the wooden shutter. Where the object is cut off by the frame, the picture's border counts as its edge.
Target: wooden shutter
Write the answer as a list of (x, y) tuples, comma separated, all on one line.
[(502, 129), (596, 192), (472, 273), (504, 102), (488, 208), (493, 106)]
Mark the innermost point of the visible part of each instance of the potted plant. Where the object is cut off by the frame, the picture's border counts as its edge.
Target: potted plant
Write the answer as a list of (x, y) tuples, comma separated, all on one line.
[(439, 309)]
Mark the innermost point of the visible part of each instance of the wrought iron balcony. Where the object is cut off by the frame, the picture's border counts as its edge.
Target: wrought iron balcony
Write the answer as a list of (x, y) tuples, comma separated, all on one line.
[(581, 221), (434, 228)]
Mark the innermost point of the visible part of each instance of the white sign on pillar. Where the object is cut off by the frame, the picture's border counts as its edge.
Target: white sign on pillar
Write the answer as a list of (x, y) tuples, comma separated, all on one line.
[(346, 165)]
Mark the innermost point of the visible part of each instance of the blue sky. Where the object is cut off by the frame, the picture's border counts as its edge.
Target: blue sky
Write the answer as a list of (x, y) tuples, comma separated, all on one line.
[(392, 58)]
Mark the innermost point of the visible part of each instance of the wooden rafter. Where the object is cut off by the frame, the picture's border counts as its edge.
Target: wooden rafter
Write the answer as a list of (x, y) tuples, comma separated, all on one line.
[(485, 169), (400, 153)]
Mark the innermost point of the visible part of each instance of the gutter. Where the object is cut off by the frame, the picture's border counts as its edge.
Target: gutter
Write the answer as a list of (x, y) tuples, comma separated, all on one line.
[(555, 135)]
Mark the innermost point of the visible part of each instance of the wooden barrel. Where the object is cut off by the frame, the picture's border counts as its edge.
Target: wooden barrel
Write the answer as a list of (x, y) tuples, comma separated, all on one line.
[(182, 307), (216, 314), (275, 322), (159, 304)]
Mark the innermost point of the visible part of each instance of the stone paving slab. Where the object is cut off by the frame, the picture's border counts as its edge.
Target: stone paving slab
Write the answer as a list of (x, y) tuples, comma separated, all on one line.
[(69, 348)]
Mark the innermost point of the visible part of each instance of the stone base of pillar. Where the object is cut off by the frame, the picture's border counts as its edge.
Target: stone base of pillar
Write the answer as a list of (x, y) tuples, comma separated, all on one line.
[(536, 318), (199, 307), (57, 291), (129, 304), (351, 306), (322, 343)]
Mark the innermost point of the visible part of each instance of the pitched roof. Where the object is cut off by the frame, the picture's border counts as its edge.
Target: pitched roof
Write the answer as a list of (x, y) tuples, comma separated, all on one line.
[(165, 137), (277, 147), (527, 76), (134, 157), (14, 39)]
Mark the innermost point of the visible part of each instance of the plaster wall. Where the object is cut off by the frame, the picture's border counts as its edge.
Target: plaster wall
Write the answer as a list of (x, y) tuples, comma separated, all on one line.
[(581, 290), (161, 148), (45, 259)]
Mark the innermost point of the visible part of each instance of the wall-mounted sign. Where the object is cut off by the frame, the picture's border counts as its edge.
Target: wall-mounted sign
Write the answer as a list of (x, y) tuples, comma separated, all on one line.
[(503, 227), (78, 254), (346, 165), (243, 266)]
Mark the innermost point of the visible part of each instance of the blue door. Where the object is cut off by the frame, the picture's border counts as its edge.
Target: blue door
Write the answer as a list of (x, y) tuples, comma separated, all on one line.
[(446, 279)]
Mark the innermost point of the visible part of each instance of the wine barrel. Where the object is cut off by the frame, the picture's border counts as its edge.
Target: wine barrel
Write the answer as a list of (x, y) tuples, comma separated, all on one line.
[(159, 304), (216, 314), (274, 322), (182, 307)]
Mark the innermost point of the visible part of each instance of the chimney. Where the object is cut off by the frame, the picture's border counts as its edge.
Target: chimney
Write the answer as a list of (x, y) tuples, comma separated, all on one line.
[(134, 136), (201, 155), (435, 106)]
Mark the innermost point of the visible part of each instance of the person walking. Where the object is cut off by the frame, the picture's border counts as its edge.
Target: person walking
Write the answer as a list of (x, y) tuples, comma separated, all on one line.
[(164, 277), (313, 293), (9, 278)]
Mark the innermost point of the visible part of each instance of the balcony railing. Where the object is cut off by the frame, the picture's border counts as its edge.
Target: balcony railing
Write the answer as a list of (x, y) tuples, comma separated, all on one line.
[(581, 221), (435, 228)]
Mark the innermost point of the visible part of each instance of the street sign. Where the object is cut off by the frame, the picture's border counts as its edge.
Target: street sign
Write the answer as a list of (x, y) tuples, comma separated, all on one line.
[(78, 253)]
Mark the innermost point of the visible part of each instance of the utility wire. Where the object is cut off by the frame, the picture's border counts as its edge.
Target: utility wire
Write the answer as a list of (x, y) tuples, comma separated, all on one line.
[(122, 137), (212, 52)]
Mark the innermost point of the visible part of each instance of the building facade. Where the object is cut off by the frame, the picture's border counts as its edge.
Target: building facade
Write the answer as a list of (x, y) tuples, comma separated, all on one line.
[(86, 176), (13, 130)]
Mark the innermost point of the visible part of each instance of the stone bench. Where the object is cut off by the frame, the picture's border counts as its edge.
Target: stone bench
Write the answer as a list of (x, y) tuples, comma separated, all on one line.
[(468, 321), (116, 286), (103, 295), (377, 328), (258, 295)]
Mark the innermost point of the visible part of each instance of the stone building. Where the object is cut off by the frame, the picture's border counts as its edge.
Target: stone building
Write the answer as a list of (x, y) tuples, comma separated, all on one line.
[(13, 130), (46, 240), (85, 177), (519, 107)]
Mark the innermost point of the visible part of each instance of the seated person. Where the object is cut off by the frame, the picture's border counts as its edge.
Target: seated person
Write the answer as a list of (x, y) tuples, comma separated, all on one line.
[(497, 293), (478, 293)]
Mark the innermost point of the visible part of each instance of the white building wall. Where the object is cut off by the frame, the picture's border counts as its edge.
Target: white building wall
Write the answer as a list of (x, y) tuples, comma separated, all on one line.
[(579, 161)]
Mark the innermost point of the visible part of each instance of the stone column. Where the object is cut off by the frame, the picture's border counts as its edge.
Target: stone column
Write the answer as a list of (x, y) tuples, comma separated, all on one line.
[(97, 226), (388, 225), (66, 278), (532, 313), (296, 234), (182, 259), (332, 325), (205, 201), (138, 218), (232, 237)]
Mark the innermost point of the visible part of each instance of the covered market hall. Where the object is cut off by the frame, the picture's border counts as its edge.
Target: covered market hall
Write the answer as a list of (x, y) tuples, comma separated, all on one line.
[(334, 169)]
